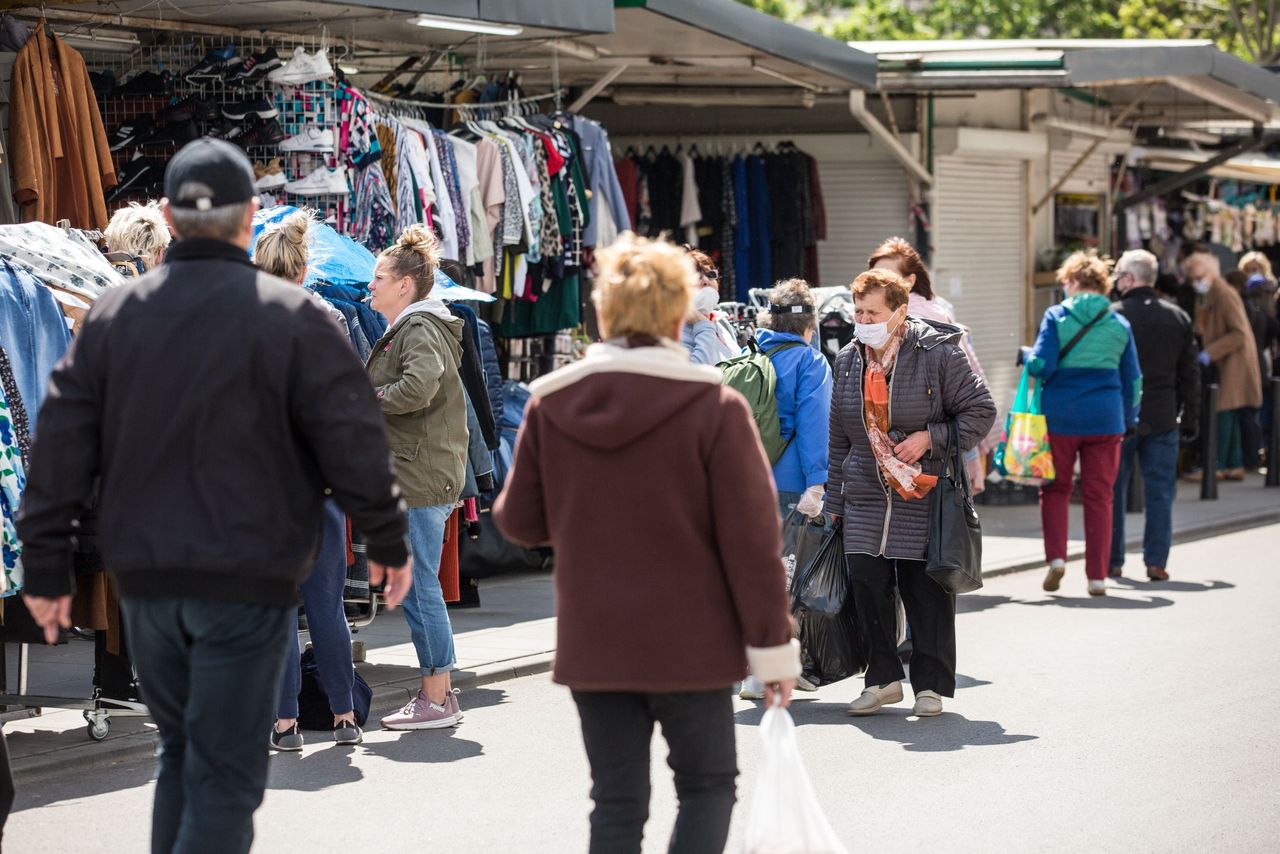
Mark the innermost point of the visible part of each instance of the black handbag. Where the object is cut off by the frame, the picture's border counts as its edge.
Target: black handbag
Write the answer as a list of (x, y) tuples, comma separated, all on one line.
[(954, 556)]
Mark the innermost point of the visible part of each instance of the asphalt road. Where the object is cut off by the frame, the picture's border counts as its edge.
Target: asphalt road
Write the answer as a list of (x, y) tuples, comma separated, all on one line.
[(1145, 721)]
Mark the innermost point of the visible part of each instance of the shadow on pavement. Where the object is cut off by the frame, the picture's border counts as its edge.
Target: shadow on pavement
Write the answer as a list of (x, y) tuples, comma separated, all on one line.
[(1174, 586), (314, 771), (947, 732), (428, 746), (972, 602), (1104, 603), (77, 786)]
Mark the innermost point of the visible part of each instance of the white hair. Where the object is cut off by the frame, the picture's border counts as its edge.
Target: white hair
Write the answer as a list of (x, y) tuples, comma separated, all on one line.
[(139, 230), (223, 223), (1141, 264)]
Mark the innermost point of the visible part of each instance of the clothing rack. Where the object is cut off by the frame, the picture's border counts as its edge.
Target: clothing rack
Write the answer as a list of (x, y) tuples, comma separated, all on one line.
[(413, 108)]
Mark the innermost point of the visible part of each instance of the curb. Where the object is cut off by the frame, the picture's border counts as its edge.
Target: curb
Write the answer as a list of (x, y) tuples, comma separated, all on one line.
[(1186, 535), (132, 746)]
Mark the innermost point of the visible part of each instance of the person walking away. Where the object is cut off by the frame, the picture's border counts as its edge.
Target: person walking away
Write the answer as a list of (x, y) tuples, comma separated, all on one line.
[(702, 335), (414, 368), (884, 460), (1167, 357), (282, 250), (1091, 388), (1228, 347), (676, 582), (899, 256), (1264, 328), (211, 503)]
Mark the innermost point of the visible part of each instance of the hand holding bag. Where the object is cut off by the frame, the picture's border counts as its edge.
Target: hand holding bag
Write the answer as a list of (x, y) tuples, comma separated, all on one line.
[(954, 555), (1025, 455)]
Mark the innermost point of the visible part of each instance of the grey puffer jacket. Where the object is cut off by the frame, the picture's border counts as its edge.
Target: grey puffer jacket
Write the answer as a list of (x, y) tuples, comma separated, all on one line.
[(931, 384)]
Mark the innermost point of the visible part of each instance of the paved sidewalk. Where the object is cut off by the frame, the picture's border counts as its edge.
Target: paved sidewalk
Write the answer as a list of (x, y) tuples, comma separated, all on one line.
[(513, 634)]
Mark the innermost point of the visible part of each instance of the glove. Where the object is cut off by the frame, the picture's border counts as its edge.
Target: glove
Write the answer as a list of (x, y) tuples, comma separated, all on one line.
[(1204, 358), (811, 502)]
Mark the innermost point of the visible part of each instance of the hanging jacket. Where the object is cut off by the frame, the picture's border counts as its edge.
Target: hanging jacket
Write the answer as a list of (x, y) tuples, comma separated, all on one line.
[(33, 334), (1097, 390), (804, 410), (473, 375), (479, 476), (492, 368)]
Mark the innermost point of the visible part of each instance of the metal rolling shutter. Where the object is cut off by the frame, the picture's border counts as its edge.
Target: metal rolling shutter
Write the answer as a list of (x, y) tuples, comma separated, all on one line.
[(866, 202), (979, 239)]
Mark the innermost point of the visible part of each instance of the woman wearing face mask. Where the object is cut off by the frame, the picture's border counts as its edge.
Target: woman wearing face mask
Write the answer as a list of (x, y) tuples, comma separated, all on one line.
[(1087, 365), (701, 335), (897, 388)]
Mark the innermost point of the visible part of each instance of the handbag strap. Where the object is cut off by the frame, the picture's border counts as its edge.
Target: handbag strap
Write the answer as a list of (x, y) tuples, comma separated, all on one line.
[(1075, 339), (955, 458)]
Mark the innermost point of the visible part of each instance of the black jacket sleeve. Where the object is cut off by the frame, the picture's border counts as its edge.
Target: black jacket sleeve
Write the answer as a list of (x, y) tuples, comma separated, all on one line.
[(64, 466), (1188, 381), (336, 413)]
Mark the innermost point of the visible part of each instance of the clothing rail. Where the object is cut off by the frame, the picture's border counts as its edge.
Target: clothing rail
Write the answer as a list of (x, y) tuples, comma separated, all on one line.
[(404, 106)]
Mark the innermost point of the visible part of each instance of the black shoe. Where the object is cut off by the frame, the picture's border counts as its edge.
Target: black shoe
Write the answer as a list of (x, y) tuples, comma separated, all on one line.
[(137, 176), (263, 108), (146, 84), (189, 108), (173, 135), (290, 739), (211, 67), (132, 132), (347, 732), (103, 83), (262, 134), (228, 130), (254, 68)]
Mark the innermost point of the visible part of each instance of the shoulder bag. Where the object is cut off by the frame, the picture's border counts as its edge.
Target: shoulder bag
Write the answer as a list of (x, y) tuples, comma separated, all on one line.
[(954, 555)]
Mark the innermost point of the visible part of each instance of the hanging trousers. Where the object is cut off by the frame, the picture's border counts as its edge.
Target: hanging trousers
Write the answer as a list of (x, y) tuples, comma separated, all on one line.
[(931, 613)]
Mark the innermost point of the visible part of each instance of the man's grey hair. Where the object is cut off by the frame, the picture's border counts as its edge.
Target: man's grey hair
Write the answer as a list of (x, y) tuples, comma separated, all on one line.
[(223, 223), (1141, 264)]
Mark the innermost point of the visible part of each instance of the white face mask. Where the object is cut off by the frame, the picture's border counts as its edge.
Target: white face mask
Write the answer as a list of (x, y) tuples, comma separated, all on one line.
[(874, 335), (1202, 286)]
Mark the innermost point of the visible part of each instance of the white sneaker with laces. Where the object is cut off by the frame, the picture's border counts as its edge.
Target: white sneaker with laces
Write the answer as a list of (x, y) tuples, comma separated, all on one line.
[(322, 182), (876, 697), (312, 138), (1097, 587), (303, 69)]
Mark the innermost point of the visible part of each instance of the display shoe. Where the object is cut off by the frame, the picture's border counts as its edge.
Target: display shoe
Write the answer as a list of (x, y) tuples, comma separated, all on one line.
[(270, 176), (1157, 573), (263, 108), (260, 133), (311, 138), (1053, 580), (928, 704), (255, 68), (146, 84), (228, 130), (322, 182), (103, 83), (303, 68), (212, 67), (172, 135), (875, 698), (1097, 587), (132, 132), (190, 107), (138, 175)]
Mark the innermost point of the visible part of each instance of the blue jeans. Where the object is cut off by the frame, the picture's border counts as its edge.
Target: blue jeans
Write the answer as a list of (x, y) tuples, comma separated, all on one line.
[(424, 607), (210, 675), (1157, 457), (326, 623)]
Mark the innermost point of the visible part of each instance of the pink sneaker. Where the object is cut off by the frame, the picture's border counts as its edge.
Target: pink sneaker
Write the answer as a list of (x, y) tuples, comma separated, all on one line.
[(421, 713), (452, 702)]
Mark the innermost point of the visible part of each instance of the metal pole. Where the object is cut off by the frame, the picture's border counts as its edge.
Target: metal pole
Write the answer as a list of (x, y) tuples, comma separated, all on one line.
[(1209, 443), (1273, 437)]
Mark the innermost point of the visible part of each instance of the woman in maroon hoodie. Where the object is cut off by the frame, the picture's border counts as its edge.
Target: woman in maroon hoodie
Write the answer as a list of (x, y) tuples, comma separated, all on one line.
[(647, 477)]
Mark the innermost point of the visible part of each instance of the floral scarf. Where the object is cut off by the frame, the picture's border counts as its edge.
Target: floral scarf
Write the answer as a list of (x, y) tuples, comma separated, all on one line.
[(907, 480)]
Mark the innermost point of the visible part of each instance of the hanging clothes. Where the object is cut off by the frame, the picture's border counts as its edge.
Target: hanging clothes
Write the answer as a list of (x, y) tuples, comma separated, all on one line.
[(690, 209), (58, 147), (760, 223), (606, 187), (33, 333)]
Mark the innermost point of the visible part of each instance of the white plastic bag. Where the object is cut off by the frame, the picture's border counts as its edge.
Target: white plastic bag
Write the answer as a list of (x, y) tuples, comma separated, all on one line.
[(785, 816)]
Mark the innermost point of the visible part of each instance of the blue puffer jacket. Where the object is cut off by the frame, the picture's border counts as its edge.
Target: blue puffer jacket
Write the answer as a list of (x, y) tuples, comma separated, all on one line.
[(1097, 389), (804, 408)]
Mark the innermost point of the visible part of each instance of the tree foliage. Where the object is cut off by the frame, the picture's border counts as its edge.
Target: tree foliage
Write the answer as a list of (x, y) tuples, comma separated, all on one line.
[(1248, 28)]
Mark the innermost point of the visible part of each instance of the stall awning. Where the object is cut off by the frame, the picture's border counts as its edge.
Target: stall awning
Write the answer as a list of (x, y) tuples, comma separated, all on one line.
[(1254, 168)]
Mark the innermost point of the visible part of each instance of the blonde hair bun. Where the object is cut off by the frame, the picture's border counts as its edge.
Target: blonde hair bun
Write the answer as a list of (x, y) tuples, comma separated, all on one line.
[(282, 249), (643, 287), (416, 254)]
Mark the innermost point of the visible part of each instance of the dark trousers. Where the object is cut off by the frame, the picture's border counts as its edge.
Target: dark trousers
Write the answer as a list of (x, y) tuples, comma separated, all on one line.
[(617, 729), (7, 790), (1250, 437), (1157, 458), (210, 673), (931, 613)]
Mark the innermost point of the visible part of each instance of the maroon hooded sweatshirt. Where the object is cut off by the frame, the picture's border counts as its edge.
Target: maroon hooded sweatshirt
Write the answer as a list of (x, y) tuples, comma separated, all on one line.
[(647, 477)]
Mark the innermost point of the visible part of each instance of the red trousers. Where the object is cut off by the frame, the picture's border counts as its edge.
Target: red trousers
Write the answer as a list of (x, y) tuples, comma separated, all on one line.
[(1099, 462)]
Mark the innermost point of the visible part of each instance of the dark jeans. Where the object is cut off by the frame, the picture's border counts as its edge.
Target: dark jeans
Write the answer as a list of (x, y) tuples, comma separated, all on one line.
[(931, 613), (1250, 437), (1157, 458), (6, 784), (617, 729), (210, 674), (326, 623)]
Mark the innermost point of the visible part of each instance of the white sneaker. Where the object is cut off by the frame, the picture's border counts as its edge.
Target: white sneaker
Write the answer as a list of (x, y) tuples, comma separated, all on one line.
[(752, 689), (805, 685), (312, 138), (928, 704), (875, 697), (1097, 587), (303, 69), (322, 182), (1053, 580)]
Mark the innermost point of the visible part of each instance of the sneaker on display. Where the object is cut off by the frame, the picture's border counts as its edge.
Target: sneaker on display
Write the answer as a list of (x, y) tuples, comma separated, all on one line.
[(312, 138), (138, 174), (132, 132), (261, 133), (255, 68), (144, 84), (172, 135), (322, 182), (303, 69), (228, 130), (190, 107), (270, 176), (263, 108), (320, 65), (211, 67)]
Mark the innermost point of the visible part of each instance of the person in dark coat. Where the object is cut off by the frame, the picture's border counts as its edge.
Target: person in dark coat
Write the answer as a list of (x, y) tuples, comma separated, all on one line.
[(1167, 355), (897, 387)]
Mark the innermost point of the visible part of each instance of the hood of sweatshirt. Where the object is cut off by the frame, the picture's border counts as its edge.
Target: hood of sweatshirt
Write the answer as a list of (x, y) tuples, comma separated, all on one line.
[(437, 309), (617, 395)]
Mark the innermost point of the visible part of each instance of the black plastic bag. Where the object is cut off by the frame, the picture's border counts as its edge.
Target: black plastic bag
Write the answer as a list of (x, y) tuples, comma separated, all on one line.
[(313, 702), (831, 639), (801, 539)]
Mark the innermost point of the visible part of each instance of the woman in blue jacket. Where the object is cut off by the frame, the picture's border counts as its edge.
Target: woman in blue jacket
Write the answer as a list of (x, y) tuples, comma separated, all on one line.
[(1087, 365)]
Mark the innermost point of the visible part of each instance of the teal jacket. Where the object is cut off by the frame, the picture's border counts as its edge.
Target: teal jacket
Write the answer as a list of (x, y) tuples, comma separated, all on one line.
[(1097, 389)]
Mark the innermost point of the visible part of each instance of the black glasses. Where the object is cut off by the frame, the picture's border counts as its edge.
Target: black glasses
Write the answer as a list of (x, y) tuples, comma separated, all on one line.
[(711, 275)]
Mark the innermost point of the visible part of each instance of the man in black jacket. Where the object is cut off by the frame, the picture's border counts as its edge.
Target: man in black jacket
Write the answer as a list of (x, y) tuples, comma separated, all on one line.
[(1170, 388), (216, 405)]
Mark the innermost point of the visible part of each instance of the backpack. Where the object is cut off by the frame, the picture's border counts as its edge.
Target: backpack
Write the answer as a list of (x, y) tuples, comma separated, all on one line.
[(752, 375), (313, 702)]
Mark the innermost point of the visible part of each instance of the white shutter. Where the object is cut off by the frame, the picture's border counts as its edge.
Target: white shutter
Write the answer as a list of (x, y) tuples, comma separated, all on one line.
[(979, 241), (1092, 177), (866, 202)]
